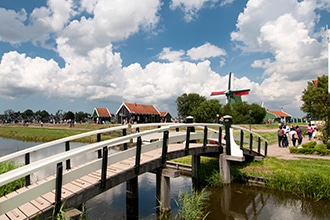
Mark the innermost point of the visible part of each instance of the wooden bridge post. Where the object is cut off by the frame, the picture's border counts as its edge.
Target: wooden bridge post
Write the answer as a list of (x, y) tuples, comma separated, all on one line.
[(163, 188), (205, 137), (195, 161), (104, 167), (228, 121), (58, 188), (124, 134), (132, 198), (232, 152), (99, 152), (67, 162), (165, 147), (224, 165), (138, 155), (27, 161)]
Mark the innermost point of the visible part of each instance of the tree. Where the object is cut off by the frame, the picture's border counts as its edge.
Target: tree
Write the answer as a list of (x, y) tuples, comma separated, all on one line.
[(316, 99), (69, 115), (207, 111), (244, 113), (28, 113), (81, 116), (186, 103), (316, 102)]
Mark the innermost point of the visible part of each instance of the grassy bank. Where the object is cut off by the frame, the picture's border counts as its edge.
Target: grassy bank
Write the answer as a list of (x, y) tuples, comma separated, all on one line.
[(304, 177), (49, 132)]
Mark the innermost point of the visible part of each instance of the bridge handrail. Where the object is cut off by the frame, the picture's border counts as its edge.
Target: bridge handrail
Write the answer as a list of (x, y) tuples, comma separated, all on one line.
[(247, 130), (59, 141), (176, 125)]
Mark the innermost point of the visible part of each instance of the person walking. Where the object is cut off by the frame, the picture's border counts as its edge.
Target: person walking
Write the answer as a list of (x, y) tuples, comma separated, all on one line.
[(310, 131), (279, 136), (293, 136), (285, 142), (300, 135)]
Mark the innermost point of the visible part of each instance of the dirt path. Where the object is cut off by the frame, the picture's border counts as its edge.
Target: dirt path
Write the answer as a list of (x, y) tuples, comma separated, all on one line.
[(284, 153)]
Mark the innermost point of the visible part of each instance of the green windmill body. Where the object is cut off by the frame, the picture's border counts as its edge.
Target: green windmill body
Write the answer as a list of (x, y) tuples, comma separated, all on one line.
[(233, 96)]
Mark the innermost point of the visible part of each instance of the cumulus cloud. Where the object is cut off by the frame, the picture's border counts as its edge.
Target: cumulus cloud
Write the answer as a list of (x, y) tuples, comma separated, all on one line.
[(205, 51), (112, 21), (170, 55), (22, 76), (17, 27), (285, 32), (190, 7), (293, 52)]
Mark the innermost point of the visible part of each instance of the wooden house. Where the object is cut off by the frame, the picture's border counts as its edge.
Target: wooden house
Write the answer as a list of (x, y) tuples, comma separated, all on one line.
[(101, 115), (277, 116), (165, 117), (137, 113)]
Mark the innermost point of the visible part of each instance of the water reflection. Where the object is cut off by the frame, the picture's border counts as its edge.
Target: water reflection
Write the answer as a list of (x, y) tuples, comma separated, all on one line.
[(251, 202)]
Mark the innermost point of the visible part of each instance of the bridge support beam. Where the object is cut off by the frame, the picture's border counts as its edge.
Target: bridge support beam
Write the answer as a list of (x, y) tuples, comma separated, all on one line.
[(195, 161), (224, 165), (132, 198), (163, 184)]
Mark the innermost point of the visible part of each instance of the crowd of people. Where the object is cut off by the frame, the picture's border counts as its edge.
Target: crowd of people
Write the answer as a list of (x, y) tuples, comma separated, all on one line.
[(286, 134)]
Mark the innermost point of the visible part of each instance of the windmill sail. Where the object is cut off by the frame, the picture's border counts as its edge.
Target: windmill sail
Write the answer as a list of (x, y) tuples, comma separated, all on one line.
[(232, 95)]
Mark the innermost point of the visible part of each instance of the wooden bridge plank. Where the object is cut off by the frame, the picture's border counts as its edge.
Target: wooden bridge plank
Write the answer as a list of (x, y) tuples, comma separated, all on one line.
[(29, 209), (16, 214), (41, 203), (24, 210), (90, 179), (82, 183), (73, 188), (50, 197), (4, 217)]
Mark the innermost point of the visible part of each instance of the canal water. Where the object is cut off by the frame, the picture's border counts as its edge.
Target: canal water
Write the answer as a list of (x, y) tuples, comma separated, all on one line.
[(231, 202)]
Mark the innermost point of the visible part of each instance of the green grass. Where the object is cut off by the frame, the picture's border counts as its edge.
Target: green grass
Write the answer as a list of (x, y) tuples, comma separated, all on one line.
[(304, 177), (192, 205), (8, 188), (51, 132)]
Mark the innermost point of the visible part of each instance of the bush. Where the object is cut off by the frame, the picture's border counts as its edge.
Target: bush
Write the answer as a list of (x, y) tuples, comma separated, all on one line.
[(311, 144), (311, 148)]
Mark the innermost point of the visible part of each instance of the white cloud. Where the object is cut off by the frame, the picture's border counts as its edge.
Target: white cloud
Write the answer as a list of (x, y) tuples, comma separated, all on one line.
[(17, 27), (190, 7), (112, 21), (205, 51), (170, 55), (226, 2), (22, 76), (293, 52)]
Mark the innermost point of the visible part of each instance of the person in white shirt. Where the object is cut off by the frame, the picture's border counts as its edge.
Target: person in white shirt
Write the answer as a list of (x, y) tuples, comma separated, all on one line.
[(293, 136)]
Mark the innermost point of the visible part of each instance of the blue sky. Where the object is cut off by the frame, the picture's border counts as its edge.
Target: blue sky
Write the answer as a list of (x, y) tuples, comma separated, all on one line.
[(77, 55)]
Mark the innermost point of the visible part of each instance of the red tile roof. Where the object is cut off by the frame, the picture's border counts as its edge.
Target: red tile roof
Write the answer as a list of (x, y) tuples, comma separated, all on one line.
[(163, 114), (141, 109), (278, 114), (103, 112)]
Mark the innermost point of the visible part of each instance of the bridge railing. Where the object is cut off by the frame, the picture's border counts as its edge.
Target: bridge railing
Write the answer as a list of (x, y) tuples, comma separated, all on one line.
[(62, 178), (66, 141)]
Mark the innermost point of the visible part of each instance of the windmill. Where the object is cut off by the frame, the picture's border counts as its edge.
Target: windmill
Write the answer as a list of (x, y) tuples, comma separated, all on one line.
[(233, 96)]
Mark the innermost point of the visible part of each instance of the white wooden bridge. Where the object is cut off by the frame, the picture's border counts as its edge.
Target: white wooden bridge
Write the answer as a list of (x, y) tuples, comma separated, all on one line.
[(149, 150)]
